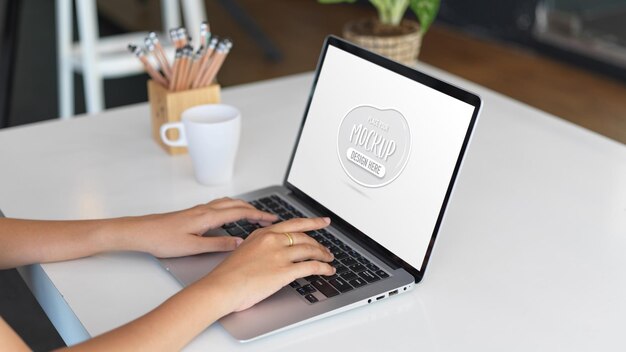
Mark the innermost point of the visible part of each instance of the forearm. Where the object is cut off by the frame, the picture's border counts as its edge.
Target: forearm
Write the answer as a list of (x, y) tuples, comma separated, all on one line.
[(170, 326), (25, 242), (9, 340)]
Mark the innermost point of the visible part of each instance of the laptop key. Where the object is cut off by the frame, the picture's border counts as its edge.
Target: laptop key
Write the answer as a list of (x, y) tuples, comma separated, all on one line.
[(265, 200), (325, 288), (340, 284), (315, 236), (368, 276), (341, 269), (358, 282), (382, 274), (349, 276), (308, 288), (310, 298), (345, 247), (340, 255), (229, 225), (331, 277), (354, 254), (328, 235), (363, 260), (336, 252), (235, 231), (325, 243), (311, 278), (357, 268), (294, 284), (249, 228), (349, 261), (273, 205), (372, 267)]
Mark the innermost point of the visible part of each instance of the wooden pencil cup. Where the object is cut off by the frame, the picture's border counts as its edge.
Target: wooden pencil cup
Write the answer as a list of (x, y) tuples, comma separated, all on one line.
[(166, 106)]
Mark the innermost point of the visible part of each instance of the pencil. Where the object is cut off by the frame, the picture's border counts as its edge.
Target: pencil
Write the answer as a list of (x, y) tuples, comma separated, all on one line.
[(218, 65), (173, 35), (182, 37), (220, 55), (154, 74), (151, 49), (160, 55), (205, 34), (195, 65), (184, 68), (204, 62), (175, 70)]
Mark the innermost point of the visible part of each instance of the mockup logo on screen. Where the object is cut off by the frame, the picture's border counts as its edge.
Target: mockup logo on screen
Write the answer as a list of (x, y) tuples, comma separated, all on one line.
[(373, 145)]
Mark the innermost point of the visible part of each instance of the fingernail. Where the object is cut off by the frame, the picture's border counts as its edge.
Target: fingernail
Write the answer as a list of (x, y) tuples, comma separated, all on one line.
[(326, 220), (238, 241)]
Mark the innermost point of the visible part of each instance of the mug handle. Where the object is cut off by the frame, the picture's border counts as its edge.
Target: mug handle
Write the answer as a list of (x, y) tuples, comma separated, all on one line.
[(182, 138)]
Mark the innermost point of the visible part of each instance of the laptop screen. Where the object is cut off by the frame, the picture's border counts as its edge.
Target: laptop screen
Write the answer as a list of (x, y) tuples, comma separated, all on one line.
[(379, 150)]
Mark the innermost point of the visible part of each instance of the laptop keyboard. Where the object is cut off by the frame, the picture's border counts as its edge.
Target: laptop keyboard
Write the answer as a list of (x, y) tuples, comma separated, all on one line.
[(353, 269)]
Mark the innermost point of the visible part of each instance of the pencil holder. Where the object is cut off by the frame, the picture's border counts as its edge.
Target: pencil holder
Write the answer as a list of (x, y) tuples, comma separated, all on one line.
[(166, 106)]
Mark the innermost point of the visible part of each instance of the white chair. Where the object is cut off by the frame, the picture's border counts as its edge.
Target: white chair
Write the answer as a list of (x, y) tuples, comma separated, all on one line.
[(99, 58)]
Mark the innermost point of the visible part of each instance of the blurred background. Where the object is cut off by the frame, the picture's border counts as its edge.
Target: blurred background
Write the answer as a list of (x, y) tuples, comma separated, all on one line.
[(567, 57)]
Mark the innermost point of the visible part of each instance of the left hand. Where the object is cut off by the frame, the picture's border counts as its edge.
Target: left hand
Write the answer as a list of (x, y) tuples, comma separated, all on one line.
[(179, 233)]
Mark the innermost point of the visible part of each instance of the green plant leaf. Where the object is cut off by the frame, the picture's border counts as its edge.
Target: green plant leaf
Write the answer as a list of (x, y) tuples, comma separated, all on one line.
[(426, 12)]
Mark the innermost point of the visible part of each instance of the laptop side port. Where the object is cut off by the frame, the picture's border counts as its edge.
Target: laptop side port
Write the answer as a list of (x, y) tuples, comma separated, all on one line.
[(392, 293), (380, 297)]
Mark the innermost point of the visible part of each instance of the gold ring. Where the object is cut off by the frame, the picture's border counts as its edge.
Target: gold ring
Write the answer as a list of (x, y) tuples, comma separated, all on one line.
[(289, 237)]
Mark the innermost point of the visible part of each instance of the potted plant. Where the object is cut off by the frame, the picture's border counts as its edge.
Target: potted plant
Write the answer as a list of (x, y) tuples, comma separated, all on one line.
[(390, 34)]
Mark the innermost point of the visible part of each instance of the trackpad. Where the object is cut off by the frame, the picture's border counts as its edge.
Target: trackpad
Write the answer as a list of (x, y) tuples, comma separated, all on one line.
[(188, 270)]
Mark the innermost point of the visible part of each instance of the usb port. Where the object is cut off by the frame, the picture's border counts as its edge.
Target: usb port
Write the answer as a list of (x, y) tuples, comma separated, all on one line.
[(380, 297), (394, 292)]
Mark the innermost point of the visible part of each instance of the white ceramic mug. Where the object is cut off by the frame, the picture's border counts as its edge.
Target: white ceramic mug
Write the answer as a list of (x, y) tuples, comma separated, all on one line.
[(211, 134)]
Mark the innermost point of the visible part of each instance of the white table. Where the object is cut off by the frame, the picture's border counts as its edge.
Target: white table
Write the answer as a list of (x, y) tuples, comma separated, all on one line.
[(531, 255)]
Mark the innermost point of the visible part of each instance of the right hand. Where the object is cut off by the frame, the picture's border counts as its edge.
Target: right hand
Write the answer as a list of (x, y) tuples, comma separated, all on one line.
[(265, 262)]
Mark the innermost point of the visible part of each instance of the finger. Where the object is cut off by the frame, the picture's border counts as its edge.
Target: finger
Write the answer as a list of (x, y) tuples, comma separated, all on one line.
[(301, 238), (301, 225), (265, 223), (215, 244), (305, 251), (250, 214), (225, 203), (312, 267), (218, 201), (193, 244)]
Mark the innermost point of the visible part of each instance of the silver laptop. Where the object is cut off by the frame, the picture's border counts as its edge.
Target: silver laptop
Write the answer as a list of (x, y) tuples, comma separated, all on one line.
[(378, 152)]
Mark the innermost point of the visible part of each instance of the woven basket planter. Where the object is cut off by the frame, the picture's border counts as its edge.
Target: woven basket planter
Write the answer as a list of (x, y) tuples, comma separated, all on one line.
[(384, 40)]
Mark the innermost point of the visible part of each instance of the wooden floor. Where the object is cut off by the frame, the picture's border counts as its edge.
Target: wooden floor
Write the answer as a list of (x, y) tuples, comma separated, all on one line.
[(298, 27)]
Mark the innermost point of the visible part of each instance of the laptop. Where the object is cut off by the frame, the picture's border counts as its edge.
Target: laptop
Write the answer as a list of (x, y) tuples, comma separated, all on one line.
[(378, 152)]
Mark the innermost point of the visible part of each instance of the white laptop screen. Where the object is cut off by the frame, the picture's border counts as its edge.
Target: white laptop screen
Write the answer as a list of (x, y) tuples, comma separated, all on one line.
[(379, 149)]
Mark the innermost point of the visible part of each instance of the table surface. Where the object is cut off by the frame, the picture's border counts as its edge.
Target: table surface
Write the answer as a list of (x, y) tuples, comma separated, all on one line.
[(530, 255)]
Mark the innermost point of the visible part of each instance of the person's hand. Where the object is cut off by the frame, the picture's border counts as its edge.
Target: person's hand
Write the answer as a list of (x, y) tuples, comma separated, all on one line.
[(265, 262), (180, 233)]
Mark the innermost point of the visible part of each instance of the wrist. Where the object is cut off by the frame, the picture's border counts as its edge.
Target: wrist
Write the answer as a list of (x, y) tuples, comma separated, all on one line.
[(119, 234), (224, 296)]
